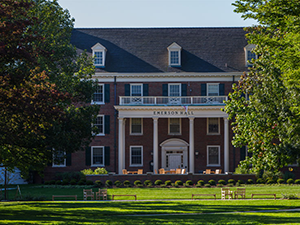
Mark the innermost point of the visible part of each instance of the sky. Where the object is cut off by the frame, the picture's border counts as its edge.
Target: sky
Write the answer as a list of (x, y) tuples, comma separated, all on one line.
[(154, 13)]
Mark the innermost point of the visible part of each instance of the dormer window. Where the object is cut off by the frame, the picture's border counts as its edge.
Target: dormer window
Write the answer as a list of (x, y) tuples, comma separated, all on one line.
[(249, 54), (174, 55), (99, 53)]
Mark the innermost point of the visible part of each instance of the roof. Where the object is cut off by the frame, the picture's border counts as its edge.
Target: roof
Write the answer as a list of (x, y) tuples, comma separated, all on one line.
[(135, 50)]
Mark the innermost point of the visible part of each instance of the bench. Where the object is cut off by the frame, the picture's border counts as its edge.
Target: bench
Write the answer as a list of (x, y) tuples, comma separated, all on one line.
[(203, 195), (263, 194), (113, 196), (64, 196)]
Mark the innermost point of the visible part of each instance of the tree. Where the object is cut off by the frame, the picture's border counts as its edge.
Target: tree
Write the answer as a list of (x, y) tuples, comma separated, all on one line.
[(45, 87), (265, 105)]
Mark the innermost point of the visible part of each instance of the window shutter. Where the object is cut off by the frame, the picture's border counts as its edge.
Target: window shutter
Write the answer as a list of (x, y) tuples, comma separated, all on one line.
[(183, 90), (221, 89), (88, 156), (107, 155), (165, 90), (127, 89), (106, 93), (107, 124), (145, 90), (203, 90), (242, 153), (69, 159)]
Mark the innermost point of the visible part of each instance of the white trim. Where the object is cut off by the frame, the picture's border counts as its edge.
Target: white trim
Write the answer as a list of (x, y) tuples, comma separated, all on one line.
[(131, 127), (92, 156), (103, 94), (136, 165), (219, 155), (208, 84), (247, 48), (207, 123), (174, 84), (99, 48), (60, 165), (103, 125), (136, 85), (169, 132), (174, 47)]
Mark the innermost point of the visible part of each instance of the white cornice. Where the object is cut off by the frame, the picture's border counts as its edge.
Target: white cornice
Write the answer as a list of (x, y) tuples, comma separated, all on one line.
[(166, 108)]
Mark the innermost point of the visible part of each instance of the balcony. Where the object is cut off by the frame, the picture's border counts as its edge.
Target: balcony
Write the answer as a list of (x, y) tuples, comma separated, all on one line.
[(172, 100)]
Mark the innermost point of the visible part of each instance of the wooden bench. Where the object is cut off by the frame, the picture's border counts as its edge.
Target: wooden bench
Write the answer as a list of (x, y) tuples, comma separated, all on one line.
[(64, 196), (263, 194), (203, 195), (113, 196)]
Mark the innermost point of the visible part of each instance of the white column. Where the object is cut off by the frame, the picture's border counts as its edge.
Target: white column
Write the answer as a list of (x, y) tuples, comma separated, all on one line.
[(155, 144), (226, 145), (192, 151), (121, 149)]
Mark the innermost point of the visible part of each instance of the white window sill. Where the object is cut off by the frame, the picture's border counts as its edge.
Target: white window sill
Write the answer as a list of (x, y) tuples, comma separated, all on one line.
[(137, 165), (97, 103), (58, 165), (213, 133), (213, 165), (136, 134), (100, 135), (97, 165)]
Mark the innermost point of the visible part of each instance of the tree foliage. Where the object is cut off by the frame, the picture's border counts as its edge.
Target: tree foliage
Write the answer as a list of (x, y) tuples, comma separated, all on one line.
[(265, 106), (45, 87)]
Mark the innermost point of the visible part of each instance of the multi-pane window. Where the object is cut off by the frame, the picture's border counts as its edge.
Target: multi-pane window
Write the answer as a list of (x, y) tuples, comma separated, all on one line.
[(136, 155), (212, 89), (174, 57), (174, 90), (59, 159), (98, 58), (98, 96), (174, 126), (97, 156), (213, 155), (250, 55), (136, 90), (99, 123), (213, 125), (136, 126)]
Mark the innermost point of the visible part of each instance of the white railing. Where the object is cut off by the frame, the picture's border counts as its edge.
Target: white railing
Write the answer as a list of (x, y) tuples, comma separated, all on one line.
[(167, 100)]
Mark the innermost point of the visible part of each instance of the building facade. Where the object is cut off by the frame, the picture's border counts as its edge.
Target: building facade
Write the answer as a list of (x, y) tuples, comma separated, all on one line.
[(162, 91)]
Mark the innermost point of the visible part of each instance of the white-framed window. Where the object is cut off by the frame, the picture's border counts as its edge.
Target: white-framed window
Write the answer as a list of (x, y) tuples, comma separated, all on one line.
[(136, 126), (213, 125), (136, 155), (98, 96), (174, 55), (174, 126), (59, 159), (174, 90), (213, 155), (97, 156), (100, 124), (136, 90), (213, 89), (99, 54), (249, 54)]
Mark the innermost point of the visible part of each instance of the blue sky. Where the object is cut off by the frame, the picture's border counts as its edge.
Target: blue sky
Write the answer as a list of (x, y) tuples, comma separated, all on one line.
[(154, 13)]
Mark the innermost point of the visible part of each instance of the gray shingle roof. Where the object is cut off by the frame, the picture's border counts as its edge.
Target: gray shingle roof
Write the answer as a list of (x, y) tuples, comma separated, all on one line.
[(145, 49)]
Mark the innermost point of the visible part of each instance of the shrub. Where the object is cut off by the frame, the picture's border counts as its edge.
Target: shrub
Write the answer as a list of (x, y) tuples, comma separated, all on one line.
[(108, 183), (47, 183), (260, 181), (147, 182), (212, 182), (137, 182), (58, 182), (270, 181), (272, 175), (289, 196), (174, 185), (231, 181), (220, 185), (250, 181), (100, 171), (287, 175), (223, 182), (297, 181), (52, 182), (89, 182), (126, 183), (280, 181), (230, 185), (65, 182), (199, 185), (118, 183), (87, 171), (163, 185), (178, 182), (241, 181), (81, 182), (290, 181), (158, 182), (98, 183), (207, 185), (168, 182), (189, 182), (201, 182), (238, 184)]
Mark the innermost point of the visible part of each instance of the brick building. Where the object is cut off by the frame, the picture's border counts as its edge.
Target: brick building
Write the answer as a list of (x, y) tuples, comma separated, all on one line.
[(161, 92)]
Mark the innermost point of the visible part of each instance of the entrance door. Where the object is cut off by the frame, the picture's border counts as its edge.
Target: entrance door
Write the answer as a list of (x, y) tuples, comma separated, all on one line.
[(174, 161)]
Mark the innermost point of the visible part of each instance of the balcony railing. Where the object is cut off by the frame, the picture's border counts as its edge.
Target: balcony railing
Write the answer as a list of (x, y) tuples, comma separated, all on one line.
[(172, 100)]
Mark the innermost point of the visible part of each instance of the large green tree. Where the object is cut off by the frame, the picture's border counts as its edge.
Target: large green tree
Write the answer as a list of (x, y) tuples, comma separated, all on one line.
[(265, 105), (45, 87)]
